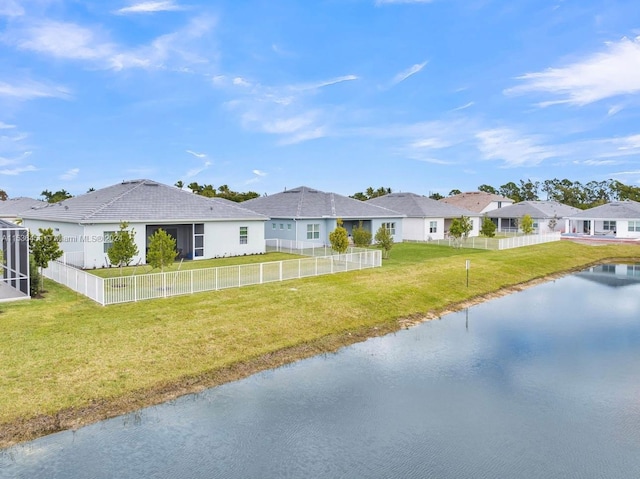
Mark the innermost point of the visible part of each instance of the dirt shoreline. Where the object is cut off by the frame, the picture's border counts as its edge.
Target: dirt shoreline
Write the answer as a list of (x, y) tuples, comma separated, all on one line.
[(28, 429)]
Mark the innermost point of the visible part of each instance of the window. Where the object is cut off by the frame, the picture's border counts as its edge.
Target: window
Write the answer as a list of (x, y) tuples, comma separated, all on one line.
[(390, 226), (198, 240), (433, 226), (499, 204), (281, 226), (288, 226), (633, 270), (273, 226), (609, 225), (244, 234), (107, 237), (313, 231), (634, 226)]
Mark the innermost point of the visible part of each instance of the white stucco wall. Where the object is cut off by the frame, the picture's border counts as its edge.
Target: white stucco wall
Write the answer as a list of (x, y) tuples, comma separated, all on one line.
[(222, 238), (71, 233)]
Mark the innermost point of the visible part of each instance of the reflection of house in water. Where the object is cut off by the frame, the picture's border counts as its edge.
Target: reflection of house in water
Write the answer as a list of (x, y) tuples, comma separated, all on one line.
[(614, 275)]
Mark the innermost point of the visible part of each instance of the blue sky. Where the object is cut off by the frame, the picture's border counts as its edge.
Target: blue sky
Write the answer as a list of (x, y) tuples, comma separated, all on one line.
[(339, 95)]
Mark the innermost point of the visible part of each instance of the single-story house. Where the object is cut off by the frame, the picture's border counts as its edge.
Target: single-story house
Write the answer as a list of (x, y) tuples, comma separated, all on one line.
[(547, 216), (426, 219), (305, 214), (618, 219), (202, 227), (478, 201), (14, 244), (12, 208)]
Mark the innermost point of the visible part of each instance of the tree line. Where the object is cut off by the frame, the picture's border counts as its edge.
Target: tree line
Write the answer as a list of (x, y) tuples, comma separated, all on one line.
[(571, 193)]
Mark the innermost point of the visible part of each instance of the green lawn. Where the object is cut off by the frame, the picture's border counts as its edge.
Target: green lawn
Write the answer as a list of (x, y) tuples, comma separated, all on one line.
[(191, 264), (64, 356)]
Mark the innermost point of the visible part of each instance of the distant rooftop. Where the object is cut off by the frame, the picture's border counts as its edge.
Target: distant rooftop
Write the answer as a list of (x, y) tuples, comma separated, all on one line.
[(305, 202), (535, 209), (476, 200), (14, 207), (418, 206), (143, 201)]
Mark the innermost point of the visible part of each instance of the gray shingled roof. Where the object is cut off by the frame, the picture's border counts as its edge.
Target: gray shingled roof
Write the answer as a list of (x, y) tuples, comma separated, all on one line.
[(14, 207), (143, 201), (417, 206), (535, 209), (620, 210), (474, 200), (304, 202)]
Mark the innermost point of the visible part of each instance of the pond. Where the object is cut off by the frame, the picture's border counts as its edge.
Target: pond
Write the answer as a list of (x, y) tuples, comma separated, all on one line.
[(544, 383)]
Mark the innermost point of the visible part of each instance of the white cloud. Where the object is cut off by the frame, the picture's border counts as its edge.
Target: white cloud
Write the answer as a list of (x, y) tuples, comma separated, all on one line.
[(150, 7), (5, 126), (11, 8), (613, 72), (430, 143), (281, 110), (240, 81), (289, 125), (18, 170), (614, 110), (304, 135), (402, 76), (196, 154), (465, 106), (64, 40), (259, 173), (196, 171), (514, 149), (70, 174), (29, 90), (175, 51), (324, 83)]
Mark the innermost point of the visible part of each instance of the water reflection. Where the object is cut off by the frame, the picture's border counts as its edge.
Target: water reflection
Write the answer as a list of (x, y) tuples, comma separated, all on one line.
[(542, 383)]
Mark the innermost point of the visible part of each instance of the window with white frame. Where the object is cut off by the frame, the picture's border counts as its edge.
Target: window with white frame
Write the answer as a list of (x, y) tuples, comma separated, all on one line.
[(273, 226), (244, 234), (609, 225), (281, 226), (107, 238), (433, 226), (289, 226), (634, 226), (313, 231), (390, 226)]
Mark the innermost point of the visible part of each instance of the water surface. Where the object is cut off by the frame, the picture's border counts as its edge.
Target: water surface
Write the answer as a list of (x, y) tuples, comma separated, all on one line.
[(544, 383)]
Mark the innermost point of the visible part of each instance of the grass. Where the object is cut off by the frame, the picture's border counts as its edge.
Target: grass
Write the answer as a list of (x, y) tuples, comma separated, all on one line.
[(191, 264), (66, 360)]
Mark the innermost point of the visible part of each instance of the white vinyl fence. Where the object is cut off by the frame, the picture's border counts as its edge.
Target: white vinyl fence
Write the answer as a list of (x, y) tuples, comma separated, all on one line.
[(162, 285), (80, 281), (480, 242)]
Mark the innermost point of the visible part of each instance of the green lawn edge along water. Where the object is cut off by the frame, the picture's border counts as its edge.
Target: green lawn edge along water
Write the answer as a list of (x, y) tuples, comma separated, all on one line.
[(66, 361)]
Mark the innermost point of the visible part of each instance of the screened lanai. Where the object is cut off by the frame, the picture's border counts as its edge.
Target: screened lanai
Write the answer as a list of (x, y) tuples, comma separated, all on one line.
[(14, 280)]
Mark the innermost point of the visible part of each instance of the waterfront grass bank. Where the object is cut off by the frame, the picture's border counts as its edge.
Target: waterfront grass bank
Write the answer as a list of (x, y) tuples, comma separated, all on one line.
[(67, 361)]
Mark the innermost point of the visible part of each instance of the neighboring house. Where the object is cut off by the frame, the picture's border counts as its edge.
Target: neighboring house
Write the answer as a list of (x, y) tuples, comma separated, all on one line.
[(12, 209), (426, 219), (547, 216), (305, 214), (478, 201), (203, 227), (618, 219)]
